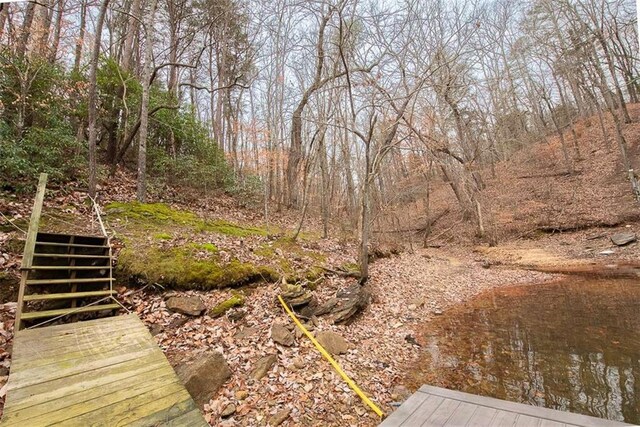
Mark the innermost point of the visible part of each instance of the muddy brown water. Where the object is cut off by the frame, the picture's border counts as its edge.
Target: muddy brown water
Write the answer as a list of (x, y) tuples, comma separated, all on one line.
[(572, 345)]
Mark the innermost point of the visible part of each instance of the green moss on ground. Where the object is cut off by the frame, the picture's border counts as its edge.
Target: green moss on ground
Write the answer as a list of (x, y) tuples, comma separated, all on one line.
[(177, 268), (155, 215), (162, 236), (208, 247), (236, 300)]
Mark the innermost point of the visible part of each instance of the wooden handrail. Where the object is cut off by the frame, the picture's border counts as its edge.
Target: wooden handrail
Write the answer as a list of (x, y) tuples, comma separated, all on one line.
[(30, 245), (32, 234)]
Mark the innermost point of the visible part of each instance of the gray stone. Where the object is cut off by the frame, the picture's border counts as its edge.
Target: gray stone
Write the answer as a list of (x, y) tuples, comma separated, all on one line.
[(263, 366), (189, 305), (279, 417), (332, 342), (282, 335), (607, 252), (204, 377), (624, 238)]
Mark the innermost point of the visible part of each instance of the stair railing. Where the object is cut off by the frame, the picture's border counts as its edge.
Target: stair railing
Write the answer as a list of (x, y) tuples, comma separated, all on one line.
[(30, 245)]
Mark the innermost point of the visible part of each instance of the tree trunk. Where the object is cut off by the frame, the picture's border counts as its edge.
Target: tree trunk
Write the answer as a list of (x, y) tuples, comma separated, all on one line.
[(53, 50), (26, 30), (93, 99), (80, 39), (144, 106)]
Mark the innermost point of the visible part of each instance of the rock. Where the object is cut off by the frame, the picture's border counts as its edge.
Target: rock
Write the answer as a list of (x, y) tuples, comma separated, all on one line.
[(204, 377), (242, 394), (228, 410), (219, 310), (607, 252), (282, 335), (177, 322), (437, 312), (236, 315), (263, 366), (351, 301), (310, 309), (295, 295), (245, 333), (400, 392), (155, 329), (189, 305), (279, 417), (624, 238), (332, 342), (326, 308), (299, 363)]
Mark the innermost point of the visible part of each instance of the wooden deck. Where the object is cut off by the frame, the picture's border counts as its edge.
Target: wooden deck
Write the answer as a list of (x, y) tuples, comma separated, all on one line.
[(433, 406), (101, 372)]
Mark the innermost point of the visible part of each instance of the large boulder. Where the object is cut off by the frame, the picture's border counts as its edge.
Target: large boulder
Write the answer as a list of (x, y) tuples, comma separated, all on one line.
[(189, 305), (624, 238), (204, 377), (332, 342), (282, 335)]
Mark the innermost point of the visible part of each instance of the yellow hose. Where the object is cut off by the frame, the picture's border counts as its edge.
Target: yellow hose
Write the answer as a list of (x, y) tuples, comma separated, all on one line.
[(327, 356)]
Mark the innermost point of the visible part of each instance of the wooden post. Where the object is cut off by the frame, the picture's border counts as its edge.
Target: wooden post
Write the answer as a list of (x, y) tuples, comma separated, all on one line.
[(30, 244)]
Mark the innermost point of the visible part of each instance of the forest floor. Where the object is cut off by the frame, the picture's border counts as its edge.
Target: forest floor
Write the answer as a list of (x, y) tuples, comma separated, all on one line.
[(408, 291)]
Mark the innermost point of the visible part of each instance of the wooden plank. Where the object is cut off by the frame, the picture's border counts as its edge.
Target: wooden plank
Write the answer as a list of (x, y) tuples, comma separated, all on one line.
[(156, 388), (534, 411), (78, 356), (462, 415), (424, 411), (100, 388), (68, 281), (482, 416), (75, 328), (69, 295), (66, 267), (440, 416), (83, 382), (41, 255), (505, 419), (405, 410), (67, 311), (25, 411), (527, 421), (52, 372), (88, 344), (192, 418), (72, 245)]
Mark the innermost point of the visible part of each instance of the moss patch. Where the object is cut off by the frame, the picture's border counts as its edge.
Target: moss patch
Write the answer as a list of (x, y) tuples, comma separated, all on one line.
[(208, 247), (236, 300), (177, 268), (149, 215), (162, 236)]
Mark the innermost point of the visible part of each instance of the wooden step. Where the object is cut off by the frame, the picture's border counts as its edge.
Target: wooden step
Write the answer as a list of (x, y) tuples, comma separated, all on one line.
[(67, 267), (54, 313), (71, 245), (84, 236), (67, 281), (70, 295), (70, 256)]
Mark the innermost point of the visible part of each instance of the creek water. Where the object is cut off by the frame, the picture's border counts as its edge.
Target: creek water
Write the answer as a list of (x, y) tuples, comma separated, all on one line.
[(572, 345)]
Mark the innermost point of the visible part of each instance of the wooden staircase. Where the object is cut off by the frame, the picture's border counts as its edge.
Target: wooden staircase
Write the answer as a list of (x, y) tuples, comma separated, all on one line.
[(63, 275)]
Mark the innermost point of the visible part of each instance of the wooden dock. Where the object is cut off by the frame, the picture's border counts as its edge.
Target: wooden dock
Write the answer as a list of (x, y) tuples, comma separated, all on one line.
[(433, 406), (107, 372)]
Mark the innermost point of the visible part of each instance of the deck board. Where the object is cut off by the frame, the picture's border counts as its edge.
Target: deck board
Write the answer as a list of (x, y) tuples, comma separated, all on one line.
[(101, 372), (433, 406)]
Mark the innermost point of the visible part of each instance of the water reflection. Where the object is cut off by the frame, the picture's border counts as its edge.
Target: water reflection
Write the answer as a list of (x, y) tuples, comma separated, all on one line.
[(572, 345)]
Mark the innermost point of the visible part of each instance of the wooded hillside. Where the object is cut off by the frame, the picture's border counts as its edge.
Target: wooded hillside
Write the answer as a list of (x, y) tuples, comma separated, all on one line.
[(352, 112)]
